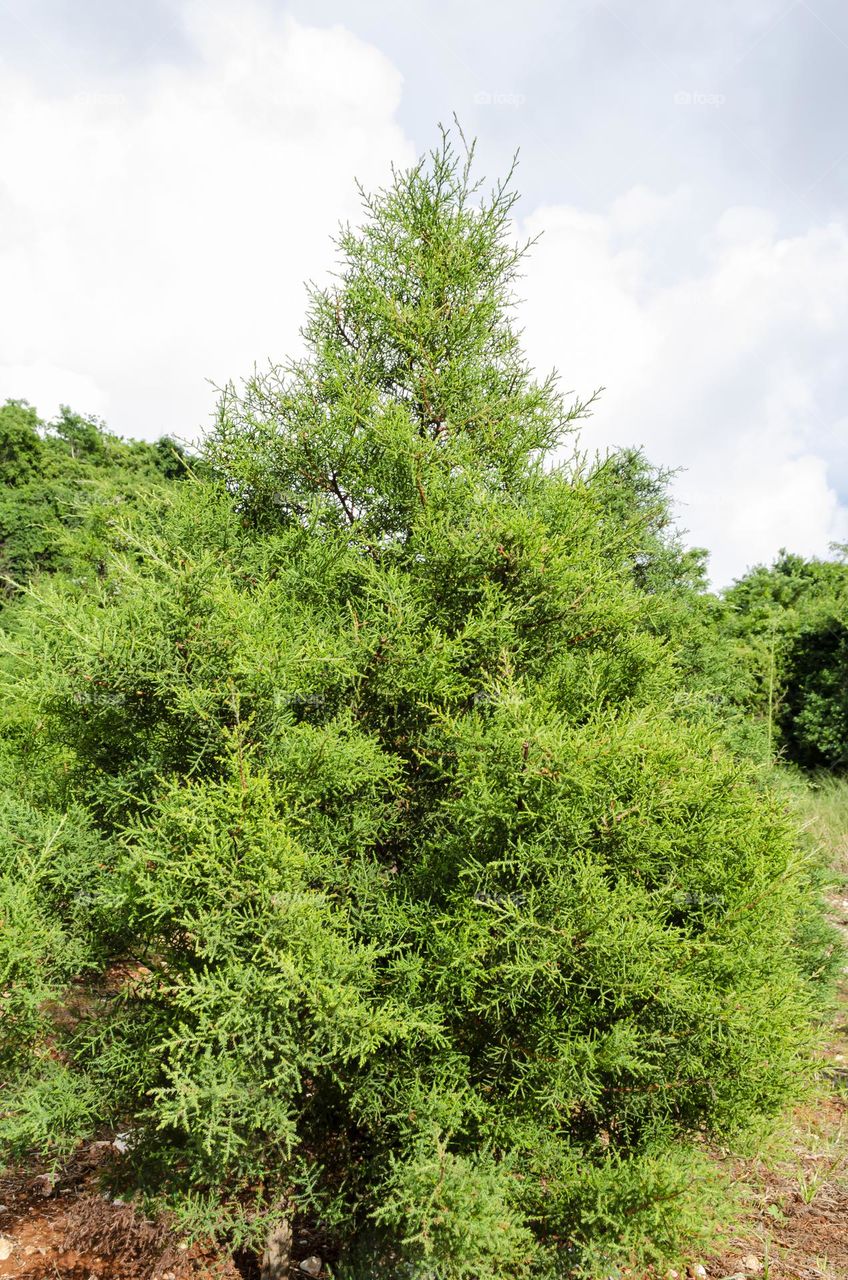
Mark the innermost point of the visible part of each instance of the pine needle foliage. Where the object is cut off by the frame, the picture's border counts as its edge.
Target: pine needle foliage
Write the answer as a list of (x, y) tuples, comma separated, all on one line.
[(429, 901)]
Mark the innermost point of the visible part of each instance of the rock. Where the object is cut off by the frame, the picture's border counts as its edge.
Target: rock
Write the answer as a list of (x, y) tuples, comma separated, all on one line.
[(312, 1266), (751, 1263), (6, 1247), (699, 1272)]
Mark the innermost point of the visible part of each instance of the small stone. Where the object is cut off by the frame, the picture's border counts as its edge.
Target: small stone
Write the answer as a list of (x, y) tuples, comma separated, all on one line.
[(699, 1271), (6, 1247), (751, 1263), (311, 1265)]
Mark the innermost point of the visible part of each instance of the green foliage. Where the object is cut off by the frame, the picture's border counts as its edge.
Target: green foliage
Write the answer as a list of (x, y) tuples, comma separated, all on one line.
[(48, 865), (60, 484), (455, 1213), (713, 662), (636, 503), (414, 371), (20, 443), (425, 896), (791, 625), (826, 811)]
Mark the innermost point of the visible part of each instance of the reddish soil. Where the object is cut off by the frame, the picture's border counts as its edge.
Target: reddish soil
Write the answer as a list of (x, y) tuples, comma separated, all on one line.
[(71, 1231)]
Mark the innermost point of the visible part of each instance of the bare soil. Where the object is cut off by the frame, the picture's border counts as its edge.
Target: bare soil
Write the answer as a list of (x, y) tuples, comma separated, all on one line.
[(69, 1230)]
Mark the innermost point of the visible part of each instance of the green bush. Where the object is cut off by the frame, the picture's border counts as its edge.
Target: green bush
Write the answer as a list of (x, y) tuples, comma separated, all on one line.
[(448, 919), (814, 714), (790, 623), (60, 483)]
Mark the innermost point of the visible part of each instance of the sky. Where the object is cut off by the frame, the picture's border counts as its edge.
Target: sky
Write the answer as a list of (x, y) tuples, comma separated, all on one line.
[(172, 172)]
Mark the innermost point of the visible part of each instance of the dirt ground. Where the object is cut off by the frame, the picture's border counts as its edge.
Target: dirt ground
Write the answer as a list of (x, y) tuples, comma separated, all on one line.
[(71, 1231)]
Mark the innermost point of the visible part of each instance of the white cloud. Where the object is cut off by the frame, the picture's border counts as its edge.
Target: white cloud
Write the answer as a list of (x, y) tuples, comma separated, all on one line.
[(156, 232), (730, 368)]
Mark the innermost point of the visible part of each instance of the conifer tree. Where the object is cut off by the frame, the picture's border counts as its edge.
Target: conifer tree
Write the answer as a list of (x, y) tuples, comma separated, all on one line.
[(448, 918)]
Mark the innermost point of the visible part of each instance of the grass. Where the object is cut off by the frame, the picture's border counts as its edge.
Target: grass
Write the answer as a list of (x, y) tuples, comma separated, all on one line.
[(822, 801)]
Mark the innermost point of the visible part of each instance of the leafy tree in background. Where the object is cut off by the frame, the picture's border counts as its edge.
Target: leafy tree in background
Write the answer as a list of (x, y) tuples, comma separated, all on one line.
[(54, 478), (20, 443), (415, 889), (790, 622)]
